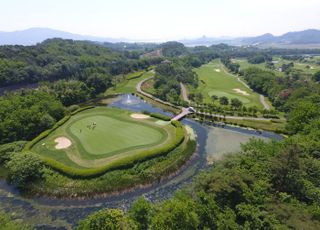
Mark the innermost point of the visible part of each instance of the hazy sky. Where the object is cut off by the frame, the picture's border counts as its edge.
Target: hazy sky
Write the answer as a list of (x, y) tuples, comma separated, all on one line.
[(162, 19)]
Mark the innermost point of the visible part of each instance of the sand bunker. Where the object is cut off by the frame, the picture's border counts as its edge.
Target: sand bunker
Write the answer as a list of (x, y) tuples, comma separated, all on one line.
[(62, 143), (217, 70), (139, 116), (242, 92)]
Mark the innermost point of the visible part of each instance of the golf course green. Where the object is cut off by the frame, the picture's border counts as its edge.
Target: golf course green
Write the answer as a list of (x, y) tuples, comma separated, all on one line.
[(99, 139), (215, 80)]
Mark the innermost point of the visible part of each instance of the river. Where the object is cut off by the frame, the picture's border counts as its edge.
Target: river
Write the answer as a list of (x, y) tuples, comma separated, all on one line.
[(47, 213)]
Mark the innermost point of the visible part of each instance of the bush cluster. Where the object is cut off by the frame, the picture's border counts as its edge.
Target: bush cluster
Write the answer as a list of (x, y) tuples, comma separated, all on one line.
[(160, 116)]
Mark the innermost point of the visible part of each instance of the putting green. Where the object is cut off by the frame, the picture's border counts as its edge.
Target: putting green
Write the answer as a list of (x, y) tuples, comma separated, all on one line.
[(101, 136), (111, 134)]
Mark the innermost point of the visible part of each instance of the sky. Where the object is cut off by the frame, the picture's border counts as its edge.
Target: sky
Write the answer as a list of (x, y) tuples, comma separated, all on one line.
[(162, 19)]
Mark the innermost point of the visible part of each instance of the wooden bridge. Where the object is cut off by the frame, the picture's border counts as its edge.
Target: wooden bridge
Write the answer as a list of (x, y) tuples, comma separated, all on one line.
[(185, 112)]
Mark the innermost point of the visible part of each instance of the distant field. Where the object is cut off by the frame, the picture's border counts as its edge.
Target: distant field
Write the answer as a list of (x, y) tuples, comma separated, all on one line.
[(100, 136), (314, 67), (128, 84), (215, 80)]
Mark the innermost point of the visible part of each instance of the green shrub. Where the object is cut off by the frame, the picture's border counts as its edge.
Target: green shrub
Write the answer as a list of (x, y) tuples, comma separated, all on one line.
[(6, 150), (107, 219), (7, 223), (134, 76), (82, 109), (23, 168), (160, 116), (73, 108)]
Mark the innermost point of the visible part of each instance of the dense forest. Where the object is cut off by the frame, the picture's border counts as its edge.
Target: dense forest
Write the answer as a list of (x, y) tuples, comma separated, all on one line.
[(56, 59)]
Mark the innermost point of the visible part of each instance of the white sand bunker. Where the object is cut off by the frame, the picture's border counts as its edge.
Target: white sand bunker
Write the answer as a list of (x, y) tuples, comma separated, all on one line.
[(62, 143), (217, 70), (139, 116), (242, 92)]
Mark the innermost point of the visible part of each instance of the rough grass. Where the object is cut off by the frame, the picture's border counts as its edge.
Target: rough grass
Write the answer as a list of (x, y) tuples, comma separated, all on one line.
[(278, 127), (128, 84), (212, 82), (115, 136)]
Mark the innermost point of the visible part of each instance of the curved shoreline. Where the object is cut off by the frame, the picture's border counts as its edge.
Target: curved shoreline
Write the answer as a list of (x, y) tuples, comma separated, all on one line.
[(115, 194)]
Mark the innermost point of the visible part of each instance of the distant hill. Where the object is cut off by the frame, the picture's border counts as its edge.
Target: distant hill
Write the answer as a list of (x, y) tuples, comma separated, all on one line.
[(311, 36), (33, 36), (305, 37)]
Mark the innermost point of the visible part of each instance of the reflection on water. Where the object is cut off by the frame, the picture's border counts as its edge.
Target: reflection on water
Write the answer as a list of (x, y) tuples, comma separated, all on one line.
[(138, 105), (46, 212)]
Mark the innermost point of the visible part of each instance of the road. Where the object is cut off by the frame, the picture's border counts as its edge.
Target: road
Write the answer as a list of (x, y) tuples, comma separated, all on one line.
[(139, 90), (184, 92)]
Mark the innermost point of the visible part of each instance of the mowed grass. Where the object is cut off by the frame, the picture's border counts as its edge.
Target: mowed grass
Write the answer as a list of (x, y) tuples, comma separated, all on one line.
[(128, 84), (112, 134), (215, 80), (115, 135)]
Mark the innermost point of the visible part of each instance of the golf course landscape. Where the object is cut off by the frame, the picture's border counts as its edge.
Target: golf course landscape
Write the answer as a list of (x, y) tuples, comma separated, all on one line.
[(215, 80), (100, 139)]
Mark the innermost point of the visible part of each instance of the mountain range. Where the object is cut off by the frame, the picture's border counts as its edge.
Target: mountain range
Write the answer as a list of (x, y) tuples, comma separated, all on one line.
[(299, 38), (35, 35)]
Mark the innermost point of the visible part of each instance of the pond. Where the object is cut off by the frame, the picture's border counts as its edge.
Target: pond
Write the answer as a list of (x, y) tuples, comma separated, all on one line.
[(47, 213)]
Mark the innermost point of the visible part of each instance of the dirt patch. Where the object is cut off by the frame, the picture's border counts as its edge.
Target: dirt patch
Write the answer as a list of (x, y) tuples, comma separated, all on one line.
[(242, 92), (62, 143), (139, 116), (218, 70)]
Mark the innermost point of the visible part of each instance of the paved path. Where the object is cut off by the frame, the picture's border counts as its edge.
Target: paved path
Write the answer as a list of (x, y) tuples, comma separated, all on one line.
[(263, 101), (236, 117), (139, 90), (184, 92)]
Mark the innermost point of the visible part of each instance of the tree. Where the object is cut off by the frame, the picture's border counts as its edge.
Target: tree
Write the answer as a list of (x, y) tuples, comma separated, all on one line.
[(71, 92), (286, 171), (139, 212), (27, 113), (176, 214), (236, 103), (316, 76), (23, 168), (98, 83), (304, 112), (214, 97), (223, 100), (107, 219)]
